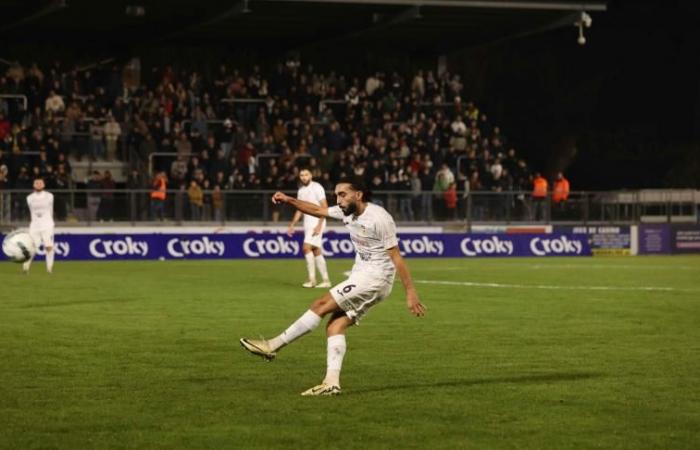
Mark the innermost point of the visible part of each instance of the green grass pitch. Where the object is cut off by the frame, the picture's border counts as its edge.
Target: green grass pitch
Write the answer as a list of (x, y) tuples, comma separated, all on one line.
[(534, 353)]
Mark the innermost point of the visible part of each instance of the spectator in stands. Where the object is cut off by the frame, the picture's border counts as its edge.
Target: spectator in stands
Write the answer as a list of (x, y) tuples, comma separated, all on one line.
[(23, 182), (539, 197), (94, 195), (458, 141), (62, 182), (146, 148), (178, 171), (450, 197), (5, 127), (443, 179), (206, 200), (112, 131), (405, 201), (158, 196), (217, 201), (107, 204), (196, 199), (478, 201), (184, 146), (427, 181), (138, 202), (54, 103), (97, 145), (560, 193)]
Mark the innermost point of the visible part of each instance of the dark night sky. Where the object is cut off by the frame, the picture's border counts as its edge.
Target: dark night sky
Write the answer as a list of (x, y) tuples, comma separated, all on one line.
[(622, 111)]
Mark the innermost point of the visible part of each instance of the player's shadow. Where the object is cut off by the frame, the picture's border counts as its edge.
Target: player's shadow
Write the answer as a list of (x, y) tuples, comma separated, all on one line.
[(516, 379)]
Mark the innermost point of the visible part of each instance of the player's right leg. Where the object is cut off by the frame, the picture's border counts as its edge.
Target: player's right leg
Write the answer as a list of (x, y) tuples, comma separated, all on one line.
[(303, 325), (47, 239), (310, 268)]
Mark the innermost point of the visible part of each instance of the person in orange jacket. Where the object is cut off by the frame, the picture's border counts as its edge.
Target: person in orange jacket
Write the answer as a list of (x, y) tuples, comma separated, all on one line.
[(158, 195), (561, 189), (539, 196)]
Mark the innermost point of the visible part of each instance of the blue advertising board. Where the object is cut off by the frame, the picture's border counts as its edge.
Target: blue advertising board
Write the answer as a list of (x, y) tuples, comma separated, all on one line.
[(654, 239), (604, 240), (685, 238), (141, 246)]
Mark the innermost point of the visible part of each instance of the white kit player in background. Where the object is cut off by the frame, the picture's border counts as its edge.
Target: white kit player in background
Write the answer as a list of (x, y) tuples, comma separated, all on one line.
[(377, 260), (312, 192), (41, 227)]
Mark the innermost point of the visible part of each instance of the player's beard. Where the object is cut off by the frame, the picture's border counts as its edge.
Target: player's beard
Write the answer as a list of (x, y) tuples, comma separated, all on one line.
[(350, 209)]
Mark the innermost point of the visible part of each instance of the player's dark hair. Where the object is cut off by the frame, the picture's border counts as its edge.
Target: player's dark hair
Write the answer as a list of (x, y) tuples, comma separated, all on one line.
[(357, 184)]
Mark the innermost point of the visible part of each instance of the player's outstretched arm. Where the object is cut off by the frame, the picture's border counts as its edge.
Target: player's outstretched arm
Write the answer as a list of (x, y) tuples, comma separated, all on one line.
[(412, 301), (305, 207)]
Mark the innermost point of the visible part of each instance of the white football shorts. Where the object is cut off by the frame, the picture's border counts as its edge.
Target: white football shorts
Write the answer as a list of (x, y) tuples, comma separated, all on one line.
[(360, 292), (42, 237), (309, 238)]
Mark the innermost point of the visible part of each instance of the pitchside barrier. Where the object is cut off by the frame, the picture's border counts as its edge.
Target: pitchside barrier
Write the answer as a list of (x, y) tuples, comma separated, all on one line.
[(150, 244), (154, 243)]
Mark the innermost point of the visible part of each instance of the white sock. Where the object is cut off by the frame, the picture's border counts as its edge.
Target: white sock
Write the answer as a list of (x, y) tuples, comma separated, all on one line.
[(26, 264), (336, 352), (322, 269), (49, 261), (304, 324), (310, 266)]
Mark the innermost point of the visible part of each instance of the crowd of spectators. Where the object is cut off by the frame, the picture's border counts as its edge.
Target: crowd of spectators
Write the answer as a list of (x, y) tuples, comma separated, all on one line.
[(254, 129)]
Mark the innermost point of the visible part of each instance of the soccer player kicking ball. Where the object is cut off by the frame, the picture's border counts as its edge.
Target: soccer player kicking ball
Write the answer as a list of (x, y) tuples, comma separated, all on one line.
[(377, 260), (312, 192), (41, 227)]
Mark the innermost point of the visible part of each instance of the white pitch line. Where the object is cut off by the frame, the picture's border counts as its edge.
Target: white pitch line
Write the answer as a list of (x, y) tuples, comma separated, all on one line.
[(559, 266), (553, 287)]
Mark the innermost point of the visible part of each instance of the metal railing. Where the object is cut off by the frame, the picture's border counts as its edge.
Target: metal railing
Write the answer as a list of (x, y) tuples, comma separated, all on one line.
[(18, 97), (233, 206), (242, 100)]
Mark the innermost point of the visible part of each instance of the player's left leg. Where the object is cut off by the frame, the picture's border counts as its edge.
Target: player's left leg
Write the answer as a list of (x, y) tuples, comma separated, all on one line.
[(47, 239), (335, 330), (322, 267)]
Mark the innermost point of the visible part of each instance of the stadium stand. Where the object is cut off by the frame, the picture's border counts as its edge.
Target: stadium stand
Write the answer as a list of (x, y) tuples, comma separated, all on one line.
[(252, 129)]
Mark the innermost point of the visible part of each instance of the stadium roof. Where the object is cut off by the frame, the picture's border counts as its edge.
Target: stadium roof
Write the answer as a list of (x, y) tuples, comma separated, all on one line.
[(423, 26)]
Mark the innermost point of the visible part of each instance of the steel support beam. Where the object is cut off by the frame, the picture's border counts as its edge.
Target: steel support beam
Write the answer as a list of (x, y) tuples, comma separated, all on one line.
[(484, 4)]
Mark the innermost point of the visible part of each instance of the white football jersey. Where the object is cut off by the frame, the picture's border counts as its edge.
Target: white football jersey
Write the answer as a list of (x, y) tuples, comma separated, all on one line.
[(41, 209), (372, 233), (312, 193)]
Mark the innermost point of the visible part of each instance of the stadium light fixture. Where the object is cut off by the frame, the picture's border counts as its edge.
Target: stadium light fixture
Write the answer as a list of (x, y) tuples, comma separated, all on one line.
[(586, 21)]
